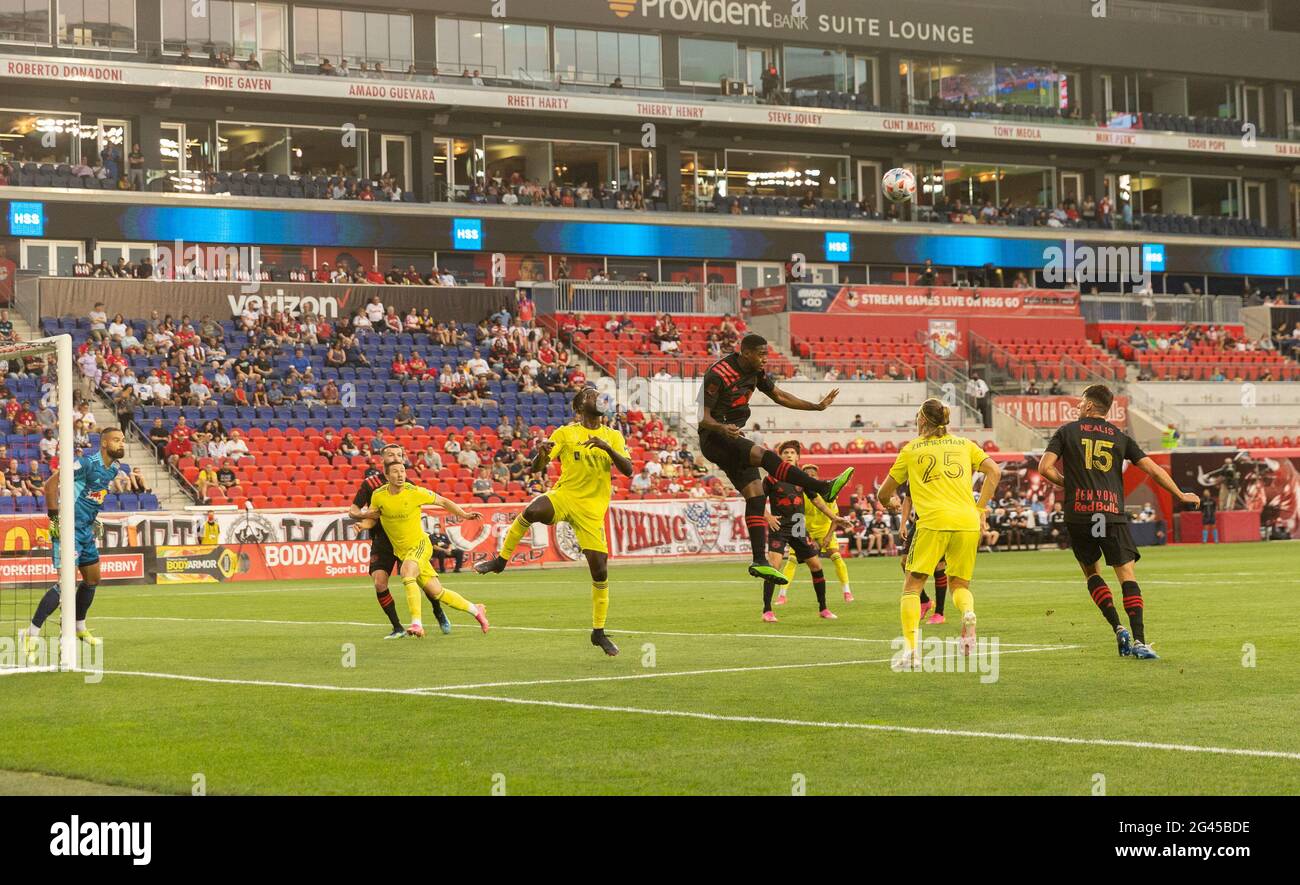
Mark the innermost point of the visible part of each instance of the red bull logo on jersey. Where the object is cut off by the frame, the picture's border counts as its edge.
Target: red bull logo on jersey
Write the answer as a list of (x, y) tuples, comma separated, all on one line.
[(96, 497)]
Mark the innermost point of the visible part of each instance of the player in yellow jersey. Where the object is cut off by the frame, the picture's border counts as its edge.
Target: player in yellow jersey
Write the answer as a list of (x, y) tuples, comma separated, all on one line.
[(939, 469), (585, 449), (821, 519), (397, 506)]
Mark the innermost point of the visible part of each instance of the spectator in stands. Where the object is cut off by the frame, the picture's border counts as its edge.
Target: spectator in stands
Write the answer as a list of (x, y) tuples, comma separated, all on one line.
[(444, 549), (770, 83), (348, 447), (207, 477), (404, 417), (482, 485), (98, 319), (158, 436)]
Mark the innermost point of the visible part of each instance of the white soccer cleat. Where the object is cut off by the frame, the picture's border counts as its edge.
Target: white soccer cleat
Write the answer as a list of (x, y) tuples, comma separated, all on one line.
[(967, 633), (906, 661)]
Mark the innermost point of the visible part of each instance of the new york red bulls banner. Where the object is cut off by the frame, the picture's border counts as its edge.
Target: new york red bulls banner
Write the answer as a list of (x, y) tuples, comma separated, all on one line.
[(1053, 411)]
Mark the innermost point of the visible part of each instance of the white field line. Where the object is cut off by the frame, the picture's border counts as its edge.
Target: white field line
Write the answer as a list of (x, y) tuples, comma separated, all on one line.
[(754, 720), (706, 672), (612, 632)]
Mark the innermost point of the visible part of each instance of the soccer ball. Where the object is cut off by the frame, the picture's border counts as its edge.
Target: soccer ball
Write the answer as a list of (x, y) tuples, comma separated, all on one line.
[(899, 185)]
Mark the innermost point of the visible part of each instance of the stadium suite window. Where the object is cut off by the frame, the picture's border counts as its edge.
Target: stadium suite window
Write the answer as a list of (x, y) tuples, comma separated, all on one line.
[(815, 68), (37, 136), (25, 21), (706, 62), (583, 56), (368, 37), (494, 49), (238, 28), (288, 150), (97, 24)]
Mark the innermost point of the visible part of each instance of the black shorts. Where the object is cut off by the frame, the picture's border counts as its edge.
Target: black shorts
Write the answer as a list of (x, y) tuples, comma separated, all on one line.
[(731, 456), (382, 557), (1117, 546), (803, 549)]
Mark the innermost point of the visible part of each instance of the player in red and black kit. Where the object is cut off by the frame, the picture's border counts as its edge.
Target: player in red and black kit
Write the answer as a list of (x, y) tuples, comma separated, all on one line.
[(789, 529), (382, 557), (1092, 452), (728, 386)]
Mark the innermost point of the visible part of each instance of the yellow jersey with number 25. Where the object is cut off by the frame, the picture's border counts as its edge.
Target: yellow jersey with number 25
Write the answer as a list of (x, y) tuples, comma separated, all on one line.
[(940, 472), (584, 470)]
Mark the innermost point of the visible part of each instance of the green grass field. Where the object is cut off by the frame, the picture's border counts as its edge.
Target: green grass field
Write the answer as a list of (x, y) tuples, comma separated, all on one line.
[(246, 685)]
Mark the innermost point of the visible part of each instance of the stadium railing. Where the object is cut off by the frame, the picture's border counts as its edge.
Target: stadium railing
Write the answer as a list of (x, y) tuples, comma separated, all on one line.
[(583, 296), (1174, 308)]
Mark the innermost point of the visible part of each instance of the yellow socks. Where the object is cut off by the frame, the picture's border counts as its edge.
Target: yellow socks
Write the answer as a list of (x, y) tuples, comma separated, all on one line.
[(456, 601), (841, 569), (413, 597), (599, 604), (514, 535), (788, 569), (962, 598), (910, 611)]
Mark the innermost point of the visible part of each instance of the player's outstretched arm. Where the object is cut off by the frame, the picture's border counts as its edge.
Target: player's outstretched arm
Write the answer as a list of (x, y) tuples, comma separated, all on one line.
[(836, 520), (886, 495), (1166, 482), (790, 401), (1047, 469), (455, 509), (992, 476), (51, 492)]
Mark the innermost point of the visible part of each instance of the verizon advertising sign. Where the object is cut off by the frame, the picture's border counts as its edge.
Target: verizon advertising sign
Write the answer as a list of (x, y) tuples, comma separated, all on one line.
[(1053, 411), (455, 91)]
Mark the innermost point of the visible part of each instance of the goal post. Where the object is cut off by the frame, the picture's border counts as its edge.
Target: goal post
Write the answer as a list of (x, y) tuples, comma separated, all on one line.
[(65, 383)]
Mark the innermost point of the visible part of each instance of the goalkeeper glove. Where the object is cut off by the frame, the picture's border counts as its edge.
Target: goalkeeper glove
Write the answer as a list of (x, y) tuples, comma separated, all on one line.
[(54, 526)]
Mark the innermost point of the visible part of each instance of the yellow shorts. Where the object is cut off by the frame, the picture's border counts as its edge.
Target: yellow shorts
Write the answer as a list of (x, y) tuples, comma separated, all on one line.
[(830, 544), (421, 553), (931, 545), (589, 528)]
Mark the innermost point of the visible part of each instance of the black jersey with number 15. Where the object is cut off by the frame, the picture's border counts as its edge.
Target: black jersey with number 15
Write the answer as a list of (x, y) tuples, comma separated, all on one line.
[(728, 388), (1092, 453)]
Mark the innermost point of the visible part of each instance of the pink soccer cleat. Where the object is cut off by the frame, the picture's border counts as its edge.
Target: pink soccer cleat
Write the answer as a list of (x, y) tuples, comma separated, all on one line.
[(770, 617), (415, 630), (935, 618), (967, 633), (848, 595), (828, 615), (925, 608), (780, 599), (480, 615)]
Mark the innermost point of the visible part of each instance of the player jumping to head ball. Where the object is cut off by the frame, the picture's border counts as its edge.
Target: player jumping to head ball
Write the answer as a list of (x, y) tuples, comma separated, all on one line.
[(586, 449), (728, 385)]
